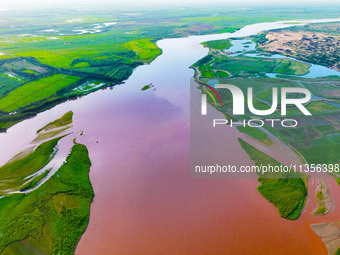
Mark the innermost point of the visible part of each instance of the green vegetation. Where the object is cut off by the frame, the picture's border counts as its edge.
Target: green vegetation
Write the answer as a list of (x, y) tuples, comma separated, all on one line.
[(66, 119), (34, 182), (62, 200), (319, 195), (253, 132), (52, 218), (13, 174), (218, 44), (145, 49), (5, 56), (45, 210), (146, 87), (48, 58), (242, 66), (321, 204), (35, 91), (321, 209), (287, 193)]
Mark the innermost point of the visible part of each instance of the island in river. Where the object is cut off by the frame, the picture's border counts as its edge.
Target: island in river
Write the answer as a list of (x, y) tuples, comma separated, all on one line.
[(45, 207)]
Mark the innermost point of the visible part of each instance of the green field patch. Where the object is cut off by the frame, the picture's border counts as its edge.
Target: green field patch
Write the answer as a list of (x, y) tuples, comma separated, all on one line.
[(48, 58), (287, 193), (30, 71), (227, 30), (77, 53), (326, 154), (334, 138), (208, 74), (319, 107), (14, 76), (34, 181), (66, 119), (12, 174), (247, 65), (218, 44), (144, 48), (221, 74), (100, 58), (321, 88), (35, 91), (81, 64), (5, 56), (7, 83), (64, 201), (253, 132)]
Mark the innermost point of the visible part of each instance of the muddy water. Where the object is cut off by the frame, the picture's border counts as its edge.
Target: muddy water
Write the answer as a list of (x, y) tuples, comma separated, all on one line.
[(145, 201)]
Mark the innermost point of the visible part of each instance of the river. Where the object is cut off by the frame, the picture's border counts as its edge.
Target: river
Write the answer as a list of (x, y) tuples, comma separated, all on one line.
[(139, 145)]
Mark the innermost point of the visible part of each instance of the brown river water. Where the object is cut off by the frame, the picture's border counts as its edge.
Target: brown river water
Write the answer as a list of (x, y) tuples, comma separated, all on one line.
[(139, 145)]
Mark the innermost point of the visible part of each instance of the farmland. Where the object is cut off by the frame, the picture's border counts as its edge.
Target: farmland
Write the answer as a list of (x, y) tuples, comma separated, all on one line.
[(316, 138), (35, 91)]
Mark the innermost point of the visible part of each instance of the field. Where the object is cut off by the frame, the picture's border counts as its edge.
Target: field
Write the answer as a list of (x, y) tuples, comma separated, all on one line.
[(35, 91), (244, 66), (287, 193), (253, 132), (218, 44), (144, 48)]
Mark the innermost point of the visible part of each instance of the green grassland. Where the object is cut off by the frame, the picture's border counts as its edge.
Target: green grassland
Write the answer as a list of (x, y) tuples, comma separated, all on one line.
[(52, 218), (242, 66), (14, 173), (287, 193), (35, 91), (65, 120), (321, 203), (48, 58), (144, 48), (218, 44)]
